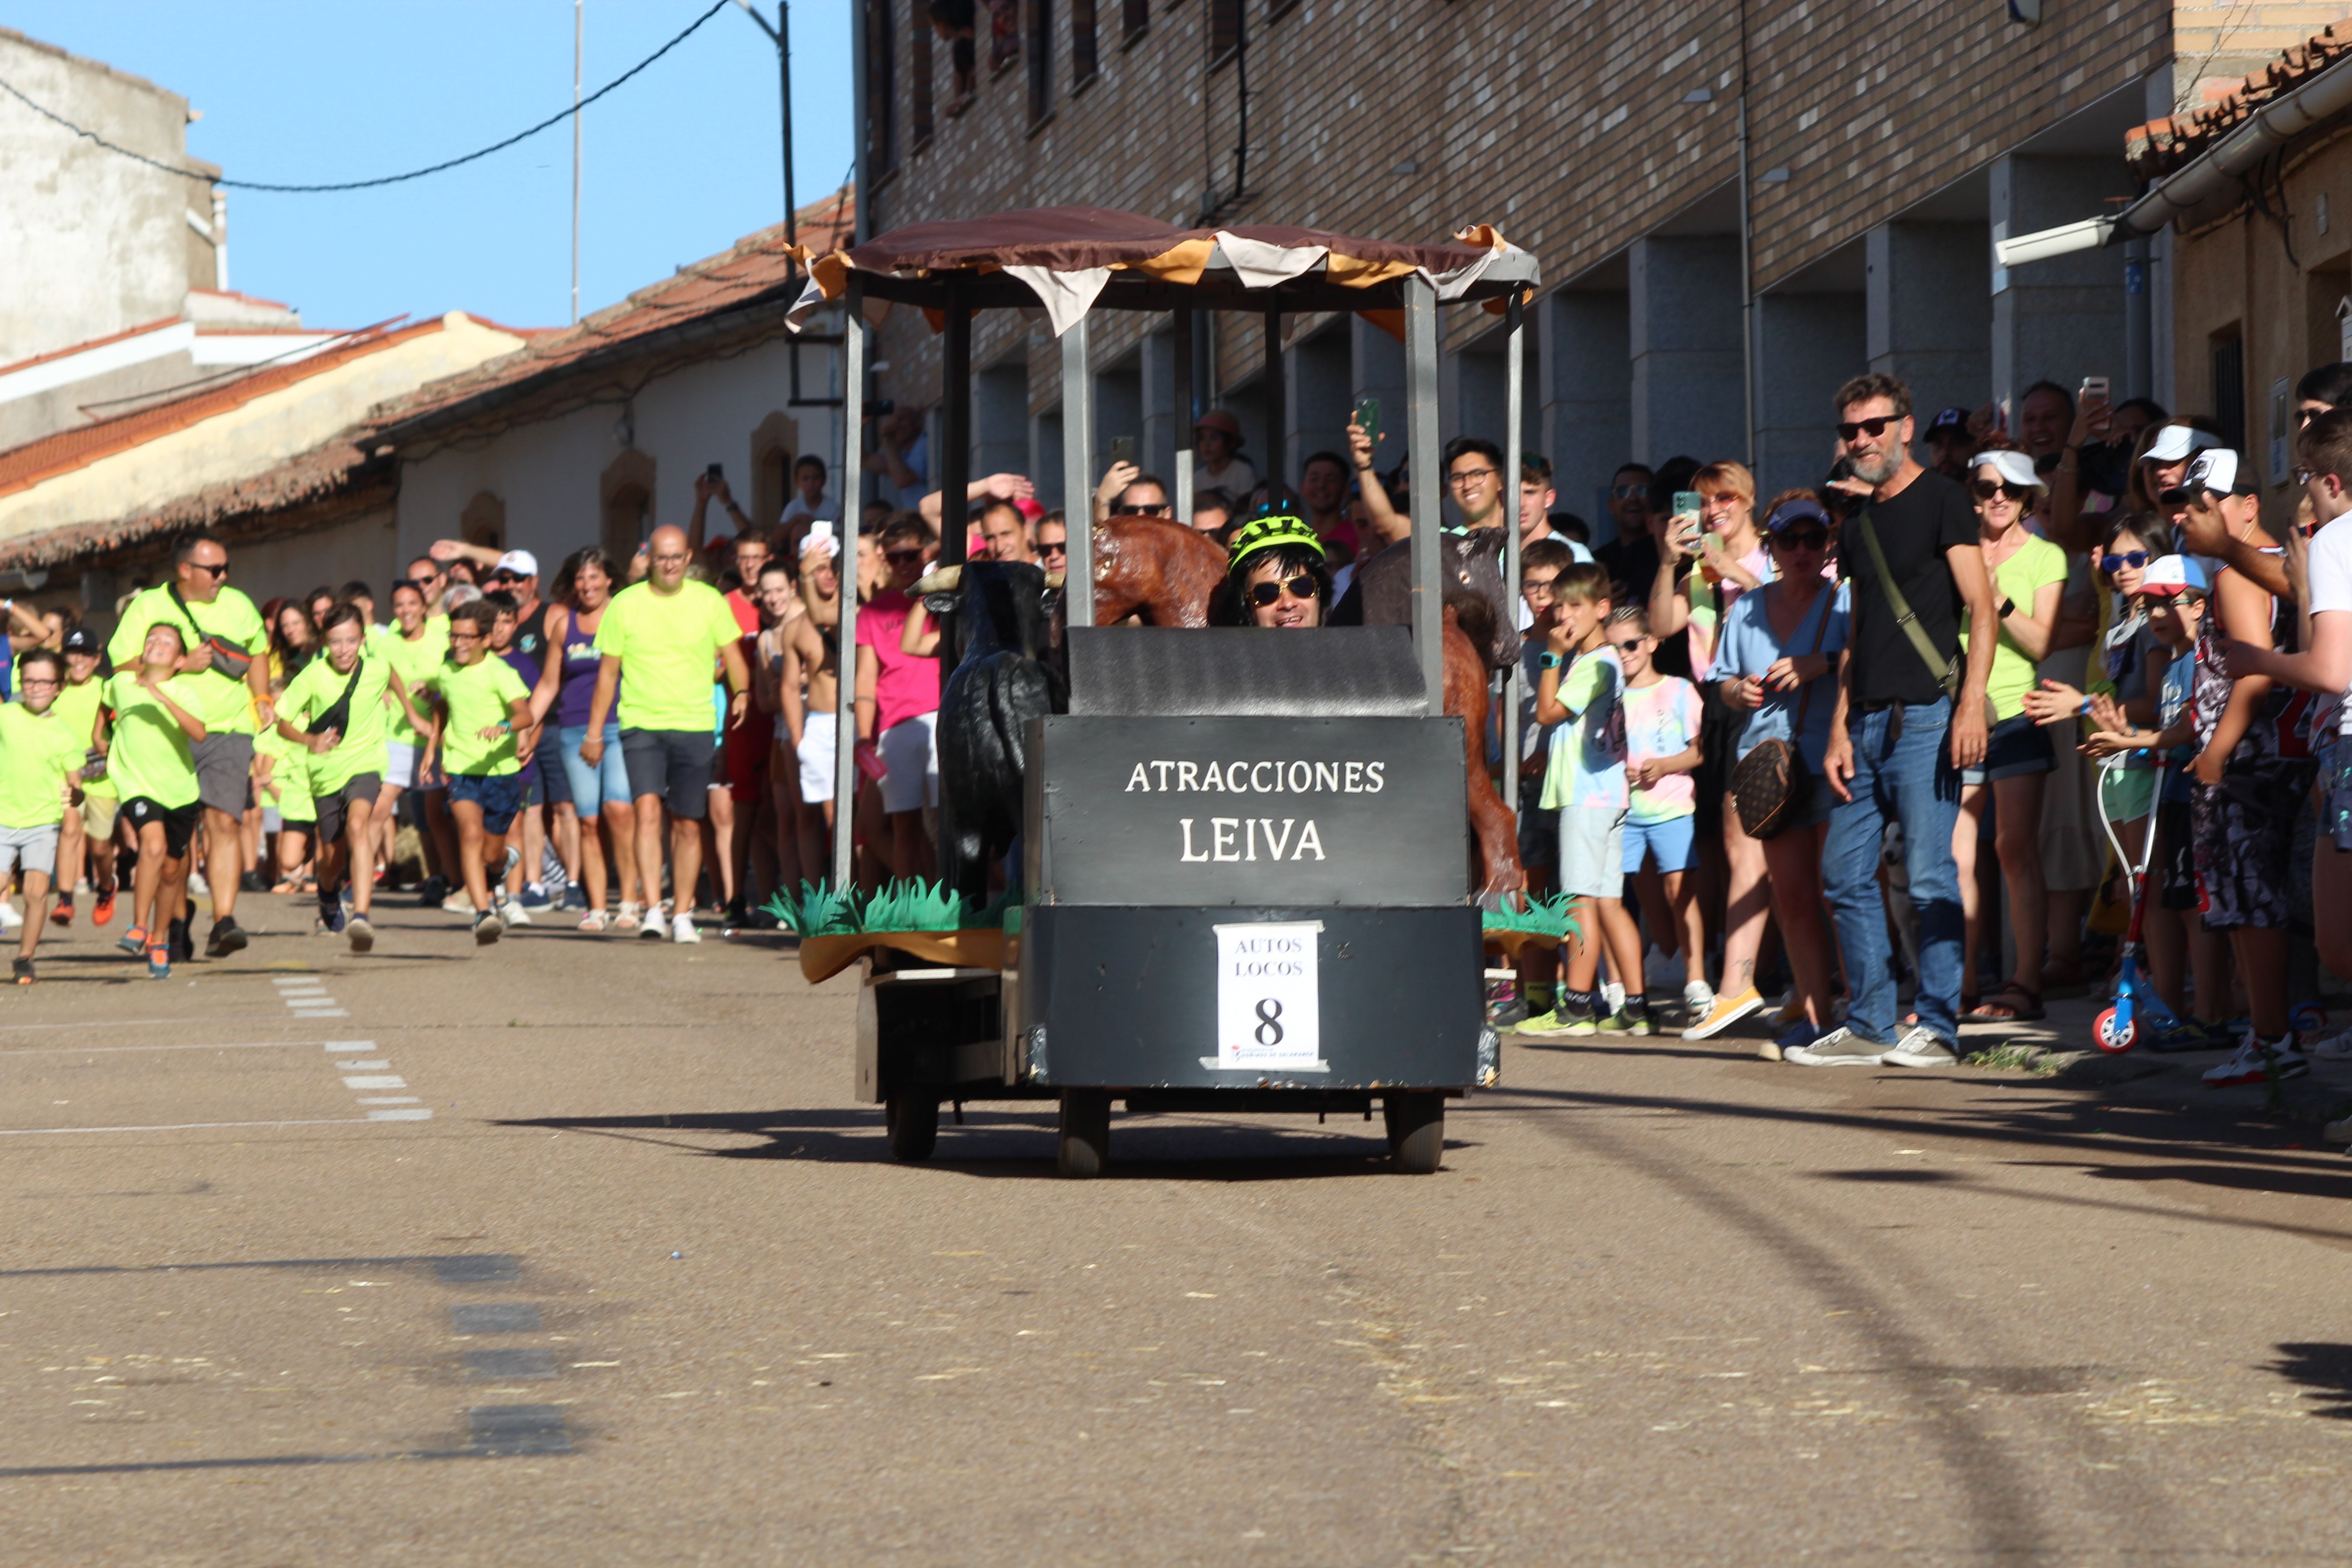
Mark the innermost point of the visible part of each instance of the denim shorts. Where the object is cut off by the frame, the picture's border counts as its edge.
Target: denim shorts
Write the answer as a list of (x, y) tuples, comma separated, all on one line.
[(1672, 842), (606, 784), (498, 794), (2016, 747)]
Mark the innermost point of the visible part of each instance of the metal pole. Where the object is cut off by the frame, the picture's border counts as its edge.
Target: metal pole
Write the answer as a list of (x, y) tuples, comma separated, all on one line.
[(1425, 492), (1277, 414), (1514, 314), (1077, 468), (952, 461), (853, 415), (784, 79), (860, 230), (1747, 293), (2139, 325), (1179, 398), (579, 35)]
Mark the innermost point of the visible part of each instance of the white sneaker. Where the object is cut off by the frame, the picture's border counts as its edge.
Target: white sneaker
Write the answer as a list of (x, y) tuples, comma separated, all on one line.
[(9, 919), (2248, 1064), (1615, 993), (1841, 1047), (2336, 1047), (657, 922), (1919, 1047), (1699, 999), (196, 883), (513, 914), (682, 930)]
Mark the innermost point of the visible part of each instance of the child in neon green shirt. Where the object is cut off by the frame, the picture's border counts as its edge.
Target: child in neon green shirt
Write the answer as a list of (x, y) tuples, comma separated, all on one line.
[(40, 775), (483, 732)]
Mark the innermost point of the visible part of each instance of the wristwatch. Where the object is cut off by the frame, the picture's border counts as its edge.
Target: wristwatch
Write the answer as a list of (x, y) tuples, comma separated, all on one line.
[(2008, 608), (1548, 660)]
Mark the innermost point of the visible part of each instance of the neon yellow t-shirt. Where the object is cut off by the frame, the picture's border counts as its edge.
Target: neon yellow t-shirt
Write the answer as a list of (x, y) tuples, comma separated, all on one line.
[(2036, 565), (362, 748), (224, 705), (416, 661), (289, 778), (665, 643), (478, 696), (150, 756), (36, 752), (76, 707)]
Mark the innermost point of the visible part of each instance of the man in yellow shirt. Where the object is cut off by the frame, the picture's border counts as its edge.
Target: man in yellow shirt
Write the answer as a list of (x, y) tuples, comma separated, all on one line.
[(225, 658), (666, 631)]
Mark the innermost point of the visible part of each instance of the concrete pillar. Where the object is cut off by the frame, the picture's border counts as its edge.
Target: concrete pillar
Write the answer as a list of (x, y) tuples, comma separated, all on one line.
[(1000, 417), (1806, 345), (1319, 398), (1378, 360), (1160, 417), (1045, 456), (1683, 302), (2062, 319), (1929, 311), (1584, 399)]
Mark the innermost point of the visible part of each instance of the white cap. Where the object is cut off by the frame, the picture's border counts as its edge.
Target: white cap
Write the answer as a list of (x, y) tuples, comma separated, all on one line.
[(2175, 442), (522, 562), (820, 539), (2221, 471), (2013, 466)]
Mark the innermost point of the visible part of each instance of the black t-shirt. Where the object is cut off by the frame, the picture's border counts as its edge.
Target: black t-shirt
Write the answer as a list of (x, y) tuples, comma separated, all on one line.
[(1925, 518)]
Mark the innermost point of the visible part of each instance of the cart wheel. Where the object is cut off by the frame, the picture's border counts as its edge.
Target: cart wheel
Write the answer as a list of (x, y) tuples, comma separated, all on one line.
[(2112, 1038), (913, 1121), (1416, 1125), (1086, 1132)]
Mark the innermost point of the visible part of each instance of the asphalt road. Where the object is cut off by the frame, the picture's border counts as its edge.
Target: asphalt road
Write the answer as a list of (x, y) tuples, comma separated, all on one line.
[(644, 1287)]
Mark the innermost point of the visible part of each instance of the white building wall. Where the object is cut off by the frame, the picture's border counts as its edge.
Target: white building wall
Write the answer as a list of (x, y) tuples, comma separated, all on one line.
[(548, 473), (96, 242)]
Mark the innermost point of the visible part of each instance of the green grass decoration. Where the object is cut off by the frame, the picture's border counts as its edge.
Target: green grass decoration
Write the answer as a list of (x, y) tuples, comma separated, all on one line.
[(903, 905), (1546, 915)]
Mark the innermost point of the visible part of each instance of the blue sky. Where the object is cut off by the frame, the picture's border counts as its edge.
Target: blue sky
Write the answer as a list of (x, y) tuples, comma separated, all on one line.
[(679, 163)]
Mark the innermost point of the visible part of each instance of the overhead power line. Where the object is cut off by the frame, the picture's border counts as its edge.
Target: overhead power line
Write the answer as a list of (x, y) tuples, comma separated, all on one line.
[(552, 119)]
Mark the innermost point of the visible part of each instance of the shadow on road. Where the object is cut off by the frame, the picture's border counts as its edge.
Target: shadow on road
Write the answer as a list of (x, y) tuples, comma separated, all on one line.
[(2324, 1371)]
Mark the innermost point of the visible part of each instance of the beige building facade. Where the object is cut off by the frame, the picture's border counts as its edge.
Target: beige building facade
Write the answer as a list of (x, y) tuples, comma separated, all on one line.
[(1685, 308)]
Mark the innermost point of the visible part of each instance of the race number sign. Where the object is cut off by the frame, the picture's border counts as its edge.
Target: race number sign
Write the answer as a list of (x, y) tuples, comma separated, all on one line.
[(1269, 1004)]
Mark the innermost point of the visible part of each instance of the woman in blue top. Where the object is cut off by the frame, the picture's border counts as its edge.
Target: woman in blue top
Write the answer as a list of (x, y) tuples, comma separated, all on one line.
[(1775, 645)]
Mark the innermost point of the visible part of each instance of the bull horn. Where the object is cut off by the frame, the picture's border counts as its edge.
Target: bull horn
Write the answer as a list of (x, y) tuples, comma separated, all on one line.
[(1053, 578), (939, 580)]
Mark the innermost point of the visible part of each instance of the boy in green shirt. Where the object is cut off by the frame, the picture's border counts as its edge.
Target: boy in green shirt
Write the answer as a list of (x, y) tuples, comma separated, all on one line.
[(148, 729), (483, 733), (335, 711), (91, 822), (41, 772)]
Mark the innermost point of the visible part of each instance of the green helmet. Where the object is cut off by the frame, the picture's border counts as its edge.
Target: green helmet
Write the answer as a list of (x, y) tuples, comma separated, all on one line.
[(1272, 531)]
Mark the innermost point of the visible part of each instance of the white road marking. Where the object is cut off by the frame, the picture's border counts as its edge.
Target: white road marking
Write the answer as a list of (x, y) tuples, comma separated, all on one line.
[(97, 1050), (320, 1012), (400, 1116), (390, 1100), (376, 1081), (196, 1126)]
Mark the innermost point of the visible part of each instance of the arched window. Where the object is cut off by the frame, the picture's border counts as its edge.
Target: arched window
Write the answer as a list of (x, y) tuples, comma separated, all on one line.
[(773, 445), (626, 494), (484, 522)]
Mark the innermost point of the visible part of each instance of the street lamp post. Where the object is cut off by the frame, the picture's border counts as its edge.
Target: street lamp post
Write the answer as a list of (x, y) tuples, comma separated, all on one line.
[(781, 34)]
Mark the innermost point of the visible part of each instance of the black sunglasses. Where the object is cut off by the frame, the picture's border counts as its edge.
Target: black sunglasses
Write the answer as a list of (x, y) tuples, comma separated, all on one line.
[(1802, 539), (219, 570), (1985, 490), (1054, 547), (900, 557), (1299, 587), (1872, 427), (2135, 559)]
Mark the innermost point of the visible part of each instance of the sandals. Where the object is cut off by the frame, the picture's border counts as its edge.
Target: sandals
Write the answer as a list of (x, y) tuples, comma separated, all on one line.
[(592, 920), (2002, 1007)]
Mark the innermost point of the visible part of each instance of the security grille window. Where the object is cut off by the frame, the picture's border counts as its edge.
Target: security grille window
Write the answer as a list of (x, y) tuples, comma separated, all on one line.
[(1041, 60), (1225, 31), (2230, 390), (1134, 19), (1083, 62), (881, 87), (918, 66)]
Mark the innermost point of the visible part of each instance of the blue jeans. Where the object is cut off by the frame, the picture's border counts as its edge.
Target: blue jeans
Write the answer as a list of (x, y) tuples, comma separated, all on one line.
[(1908, 778), (607, 783)]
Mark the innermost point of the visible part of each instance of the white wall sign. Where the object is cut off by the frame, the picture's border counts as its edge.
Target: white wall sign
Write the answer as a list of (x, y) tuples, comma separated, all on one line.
[(1269, 1001)]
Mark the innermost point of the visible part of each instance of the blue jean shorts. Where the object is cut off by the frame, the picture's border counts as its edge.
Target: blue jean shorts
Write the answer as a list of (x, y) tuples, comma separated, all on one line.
[(498, 794), (2015, 747), (606, 784), (1673, 843)]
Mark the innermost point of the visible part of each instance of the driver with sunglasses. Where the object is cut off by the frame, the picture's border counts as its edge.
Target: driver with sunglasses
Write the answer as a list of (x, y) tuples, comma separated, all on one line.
[(1277, 574)]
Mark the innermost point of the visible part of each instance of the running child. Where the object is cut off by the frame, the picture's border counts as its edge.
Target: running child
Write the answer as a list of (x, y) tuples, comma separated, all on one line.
[(40, 768), (148, 729), (483, 734), (336, 711), (91, 822)]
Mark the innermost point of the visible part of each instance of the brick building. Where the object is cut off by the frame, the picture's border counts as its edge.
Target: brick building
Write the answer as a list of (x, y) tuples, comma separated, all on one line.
[(1888, 146)]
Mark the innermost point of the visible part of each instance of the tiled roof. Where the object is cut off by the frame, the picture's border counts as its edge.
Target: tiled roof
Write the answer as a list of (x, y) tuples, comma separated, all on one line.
[(754, 268), (324, 471), (28, 465), (2160, 146), (82, 348)]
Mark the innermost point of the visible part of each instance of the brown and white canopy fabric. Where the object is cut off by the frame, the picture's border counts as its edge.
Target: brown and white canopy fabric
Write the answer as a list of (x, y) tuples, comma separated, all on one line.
[(1065, 260)]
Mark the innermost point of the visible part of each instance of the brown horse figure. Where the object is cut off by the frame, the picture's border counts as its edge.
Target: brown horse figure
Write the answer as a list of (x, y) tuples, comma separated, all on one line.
[(1167, 571)]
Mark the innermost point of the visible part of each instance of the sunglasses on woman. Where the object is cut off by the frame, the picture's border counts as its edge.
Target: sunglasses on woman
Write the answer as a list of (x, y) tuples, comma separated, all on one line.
[(2135, 559), (1299, 587), (1800, 539), (1985, 490)]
